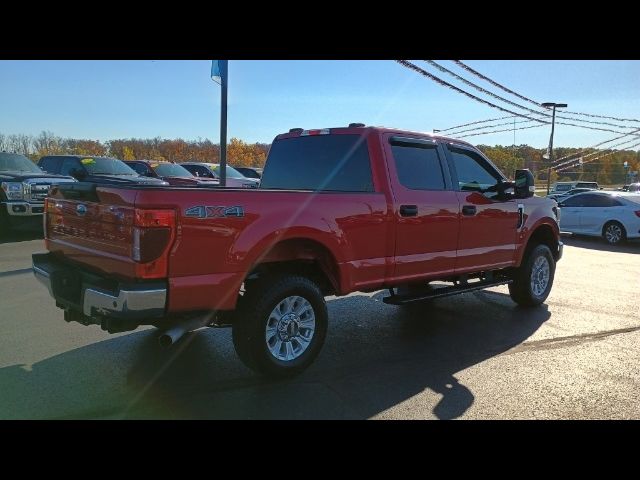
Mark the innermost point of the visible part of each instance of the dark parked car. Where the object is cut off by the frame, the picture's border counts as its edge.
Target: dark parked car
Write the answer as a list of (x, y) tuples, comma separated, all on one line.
[(170, 172), (102, 170), (250, 172), (23, 188)]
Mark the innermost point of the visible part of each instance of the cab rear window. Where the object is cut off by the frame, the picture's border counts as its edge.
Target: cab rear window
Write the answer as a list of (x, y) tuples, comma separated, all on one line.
[(319, 163)]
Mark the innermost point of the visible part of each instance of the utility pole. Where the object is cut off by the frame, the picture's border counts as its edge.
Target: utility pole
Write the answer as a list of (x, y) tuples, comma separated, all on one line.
[(220, 75), (549, 155)]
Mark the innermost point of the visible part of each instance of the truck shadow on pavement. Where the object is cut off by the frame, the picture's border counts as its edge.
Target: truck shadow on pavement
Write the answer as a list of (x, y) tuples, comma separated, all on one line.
[(23, 235), (376, 357)]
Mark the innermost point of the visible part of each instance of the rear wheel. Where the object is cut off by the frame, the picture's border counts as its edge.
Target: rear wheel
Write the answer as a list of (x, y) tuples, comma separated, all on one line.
[(533, 280), (614, 233), (281, 325)]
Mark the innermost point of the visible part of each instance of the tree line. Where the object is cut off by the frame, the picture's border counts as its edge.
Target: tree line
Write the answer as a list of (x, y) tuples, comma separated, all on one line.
[(239, 153), (608, 170)]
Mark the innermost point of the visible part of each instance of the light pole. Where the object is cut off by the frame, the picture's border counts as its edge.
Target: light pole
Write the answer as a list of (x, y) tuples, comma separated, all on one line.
[(550, 150)]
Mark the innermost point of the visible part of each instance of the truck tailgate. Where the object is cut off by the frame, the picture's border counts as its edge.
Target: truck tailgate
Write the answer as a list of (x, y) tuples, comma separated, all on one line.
[(93, 227)]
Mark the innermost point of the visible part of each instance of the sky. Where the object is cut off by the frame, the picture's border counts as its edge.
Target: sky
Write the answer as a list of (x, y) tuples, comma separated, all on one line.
[(106, 99)]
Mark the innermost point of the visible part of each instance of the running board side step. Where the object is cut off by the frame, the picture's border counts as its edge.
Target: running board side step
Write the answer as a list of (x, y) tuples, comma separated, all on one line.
[(444, 291)]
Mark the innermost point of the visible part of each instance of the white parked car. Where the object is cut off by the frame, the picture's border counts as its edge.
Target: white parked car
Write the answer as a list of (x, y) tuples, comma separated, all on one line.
[(612, 215), (558, 197)]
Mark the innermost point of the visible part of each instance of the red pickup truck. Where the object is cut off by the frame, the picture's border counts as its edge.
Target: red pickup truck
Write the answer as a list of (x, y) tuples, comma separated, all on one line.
[(339, 210)]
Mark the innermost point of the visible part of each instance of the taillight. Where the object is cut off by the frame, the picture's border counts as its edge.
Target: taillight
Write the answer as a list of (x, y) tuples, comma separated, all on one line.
[(153, 235), (51, 216), (637, 212)]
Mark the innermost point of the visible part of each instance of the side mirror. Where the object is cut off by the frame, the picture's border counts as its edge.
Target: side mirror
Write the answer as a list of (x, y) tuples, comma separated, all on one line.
[(524, 184), (78, 173)]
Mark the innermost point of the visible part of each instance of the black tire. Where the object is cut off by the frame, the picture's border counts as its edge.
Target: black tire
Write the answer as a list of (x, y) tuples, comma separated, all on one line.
[(521, 290), (250, 324), (614, 233)]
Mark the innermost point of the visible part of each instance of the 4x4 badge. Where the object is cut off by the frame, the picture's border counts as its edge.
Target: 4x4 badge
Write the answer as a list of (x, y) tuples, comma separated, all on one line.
[(201, 211)]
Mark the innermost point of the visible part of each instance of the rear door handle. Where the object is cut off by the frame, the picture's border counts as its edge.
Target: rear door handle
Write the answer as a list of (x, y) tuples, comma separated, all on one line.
[(469, 210), (408, 210)]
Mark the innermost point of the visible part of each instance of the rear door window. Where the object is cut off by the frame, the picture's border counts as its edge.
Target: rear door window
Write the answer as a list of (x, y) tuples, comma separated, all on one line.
[(140, 168), (418, 165), (590, 200), (320, 163), (199, 171)]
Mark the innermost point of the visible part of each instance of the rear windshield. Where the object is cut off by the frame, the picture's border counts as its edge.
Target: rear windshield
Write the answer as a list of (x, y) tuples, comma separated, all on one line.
[(171, 170), (633, 198), (319, 163), (563, 188), (106, 166), (13, 162)]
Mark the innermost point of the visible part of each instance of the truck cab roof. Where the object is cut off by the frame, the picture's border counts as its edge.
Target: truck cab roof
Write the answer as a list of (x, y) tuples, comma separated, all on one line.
[(359, 130)]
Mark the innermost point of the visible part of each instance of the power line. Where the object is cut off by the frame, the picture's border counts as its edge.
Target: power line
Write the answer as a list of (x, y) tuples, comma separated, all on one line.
[(537, 112), (487, 126), (596, 128), (484, 77), (477, 122), (593, 159), (423, 72), (608, 148), (492, 82), (598, 144), (496, 131), (595, 122), (480, 89), (604, 116)]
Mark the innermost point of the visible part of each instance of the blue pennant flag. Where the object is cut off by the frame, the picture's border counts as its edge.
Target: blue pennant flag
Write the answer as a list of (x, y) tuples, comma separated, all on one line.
[(219, 71)]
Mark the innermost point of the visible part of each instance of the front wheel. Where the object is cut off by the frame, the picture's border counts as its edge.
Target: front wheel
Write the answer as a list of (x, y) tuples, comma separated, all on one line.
[(281, 325), (532, 281)]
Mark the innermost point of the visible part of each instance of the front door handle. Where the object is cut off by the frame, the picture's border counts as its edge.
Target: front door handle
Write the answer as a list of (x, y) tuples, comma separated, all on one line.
[(469, 210), (408, 210)]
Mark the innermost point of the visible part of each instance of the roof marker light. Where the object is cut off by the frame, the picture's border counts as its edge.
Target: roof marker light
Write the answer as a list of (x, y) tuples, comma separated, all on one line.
[(324, 131)]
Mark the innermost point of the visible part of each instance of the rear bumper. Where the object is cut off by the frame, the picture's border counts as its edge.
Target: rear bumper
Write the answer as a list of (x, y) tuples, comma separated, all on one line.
[(23, 209), (96, 297)]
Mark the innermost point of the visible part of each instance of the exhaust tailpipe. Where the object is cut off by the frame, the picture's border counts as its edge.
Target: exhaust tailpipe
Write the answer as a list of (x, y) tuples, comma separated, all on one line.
[(173, 334)]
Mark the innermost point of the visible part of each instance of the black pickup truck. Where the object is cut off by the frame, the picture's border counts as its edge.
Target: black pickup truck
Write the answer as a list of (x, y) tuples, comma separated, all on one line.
[(24, 187)]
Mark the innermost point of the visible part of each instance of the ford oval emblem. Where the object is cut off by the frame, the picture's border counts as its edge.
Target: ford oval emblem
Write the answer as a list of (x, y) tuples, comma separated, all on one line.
[(81, 210)]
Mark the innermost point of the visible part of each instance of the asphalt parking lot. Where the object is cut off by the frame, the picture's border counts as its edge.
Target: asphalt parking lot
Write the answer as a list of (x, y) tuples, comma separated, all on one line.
[(474, 356)]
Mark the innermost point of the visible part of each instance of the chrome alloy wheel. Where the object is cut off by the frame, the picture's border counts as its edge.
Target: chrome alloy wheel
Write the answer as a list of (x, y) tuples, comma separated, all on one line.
[(540, 276), (290, 328), (613, 233)]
